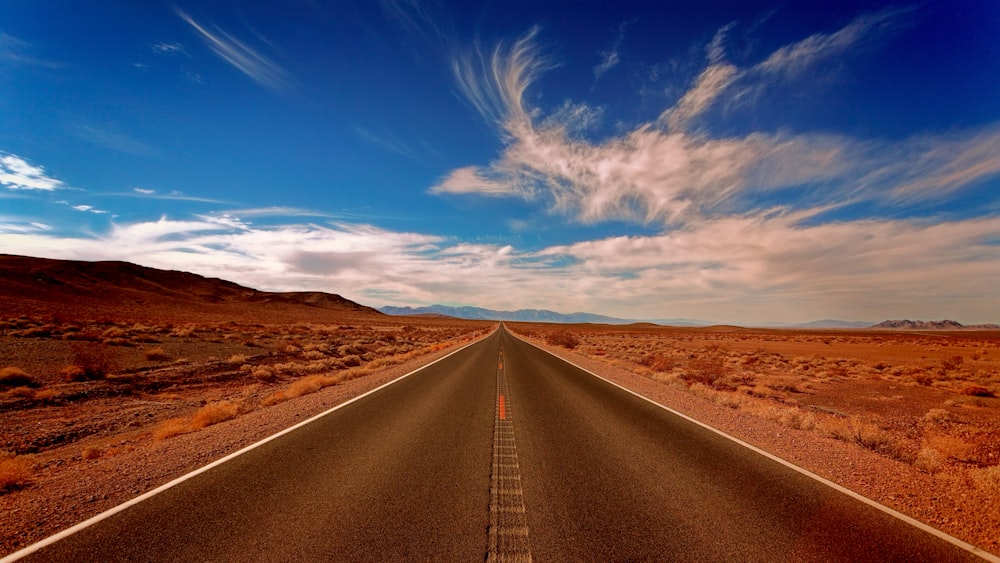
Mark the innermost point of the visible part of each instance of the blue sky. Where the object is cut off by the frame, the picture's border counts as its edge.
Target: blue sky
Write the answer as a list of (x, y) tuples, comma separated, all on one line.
[(732, 161)]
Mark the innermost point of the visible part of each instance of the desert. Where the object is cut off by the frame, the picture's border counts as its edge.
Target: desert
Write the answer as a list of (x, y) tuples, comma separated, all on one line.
[(909, 419), (117, 379)]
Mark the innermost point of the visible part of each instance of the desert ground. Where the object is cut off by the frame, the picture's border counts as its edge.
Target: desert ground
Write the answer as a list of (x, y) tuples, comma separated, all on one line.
[(115, 379), (909, 419)]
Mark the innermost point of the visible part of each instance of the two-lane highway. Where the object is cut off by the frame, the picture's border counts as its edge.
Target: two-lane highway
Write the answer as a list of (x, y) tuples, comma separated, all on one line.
[(418, 471)]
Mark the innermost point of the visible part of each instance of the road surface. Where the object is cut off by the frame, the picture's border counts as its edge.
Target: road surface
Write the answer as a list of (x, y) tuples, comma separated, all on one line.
[(503, 452)]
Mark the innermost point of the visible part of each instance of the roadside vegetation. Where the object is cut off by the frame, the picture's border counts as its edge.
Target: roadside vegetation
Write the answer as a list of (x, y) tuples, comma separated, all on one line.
[(107, 387)]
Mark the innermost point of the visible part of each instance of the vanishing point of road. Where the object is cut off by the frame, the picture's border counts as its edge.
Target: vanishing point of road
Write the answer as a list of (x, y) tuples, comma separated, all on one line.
[(500, 452)]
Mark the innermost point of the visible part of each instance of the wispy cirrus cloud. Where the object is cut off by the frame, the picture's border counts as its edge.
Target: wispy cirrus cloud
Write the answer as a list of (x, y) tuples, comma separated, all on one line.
[(671, 173), (419, 151), (610, 57), (168, 48), (17, 174), (241, 56), (19, 52), (113, 140)]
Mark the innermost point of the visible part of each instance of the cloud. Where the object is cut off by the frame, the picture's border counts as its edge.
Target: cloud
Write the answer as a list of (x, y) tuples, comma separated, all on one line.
[(795, 59), (168, 49), (670, 173), (17, 174), (610, 57), (143, 191), (389, 142), (609, 60), (88, 208), (16, 51), (494, 83), (750, 268), (113, 140), (241, 56)]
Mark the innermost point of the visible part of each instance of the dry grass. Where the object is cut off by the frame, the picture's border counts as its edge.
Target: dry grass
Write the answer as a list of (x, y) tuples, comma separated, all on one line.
[(92, 452), (16, 377), (214, 413), (15, 471), (170, 428), (157, 354), (988, 478)]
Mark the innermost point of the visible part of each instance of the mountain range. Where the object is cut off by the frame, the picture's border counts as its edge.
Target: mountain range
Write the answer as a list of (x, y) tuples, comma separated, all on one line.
[(546, 316)]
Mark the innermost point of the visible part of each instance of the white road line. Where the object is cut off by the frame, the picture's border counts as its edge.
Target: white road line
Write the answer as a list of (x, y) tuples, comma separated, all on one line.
[(115, 510), (891, 512)]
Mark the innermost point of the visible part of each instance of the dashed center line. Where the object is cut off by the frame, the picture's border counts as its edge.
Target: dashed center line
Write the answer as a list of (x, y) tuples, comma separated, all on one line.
[(508, 531)]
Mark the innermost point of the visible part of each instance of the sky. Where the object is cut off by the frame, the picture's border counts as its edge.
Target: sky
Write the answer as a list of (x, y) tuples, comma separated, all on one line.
[(741, 162)]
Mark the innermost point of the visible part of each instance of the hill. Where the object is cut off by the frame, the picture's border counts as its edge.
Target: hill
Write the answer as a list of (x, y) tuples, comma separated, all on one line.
[(100, 290), (906, 324)]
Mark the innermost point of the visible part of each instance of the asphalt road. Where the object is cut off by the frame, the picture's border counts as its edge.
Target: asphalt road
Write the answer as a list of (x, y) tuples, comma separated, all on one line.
[(404, 474)]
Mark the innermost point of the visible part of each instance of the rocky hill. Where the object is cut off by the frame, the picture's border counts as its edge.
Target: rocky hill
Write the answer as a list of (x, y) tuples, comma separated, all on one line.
[(93, 290), (906, 324)]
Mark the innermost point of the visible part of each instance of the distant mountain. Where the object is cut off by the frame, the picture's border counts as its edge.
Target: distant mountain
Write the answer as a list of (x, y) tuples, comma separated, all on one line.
[(524, 315), (906, 324), (833, 323), (78, 289), (528, 315)]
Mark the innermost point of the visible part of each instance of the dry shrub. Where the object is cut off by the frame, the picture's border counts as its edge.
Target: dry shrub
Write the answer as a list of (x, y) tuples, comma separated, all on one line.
[(977, 391), (15, 471), (796, 418), (92, 452), (170, 428), (263, 374), (562, 338), (45, 394), (708, 370), (214, 414), (658, 362), (21, 393), (16, 377), (866, 435), (157, 354), (937, 416), (929, 460), (237, 359), (90, 362), (952, 363), (988, 478)]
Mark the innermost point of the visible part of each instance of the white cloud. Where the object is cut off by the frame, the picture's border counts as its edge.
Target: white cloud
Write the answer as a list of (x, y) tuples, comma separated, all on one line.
[(241, 56), (609, 60), (171, 48), (752, 268), (17, 174), (143, 191), (796, 58), (17, 51), (113, 140), (88, 208), (494, 83), (670, 173)]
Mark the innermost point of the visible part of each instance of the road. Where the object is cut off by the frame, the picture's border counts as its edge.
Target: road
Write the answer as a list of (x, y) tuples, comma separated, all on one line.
[(557, 466)]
